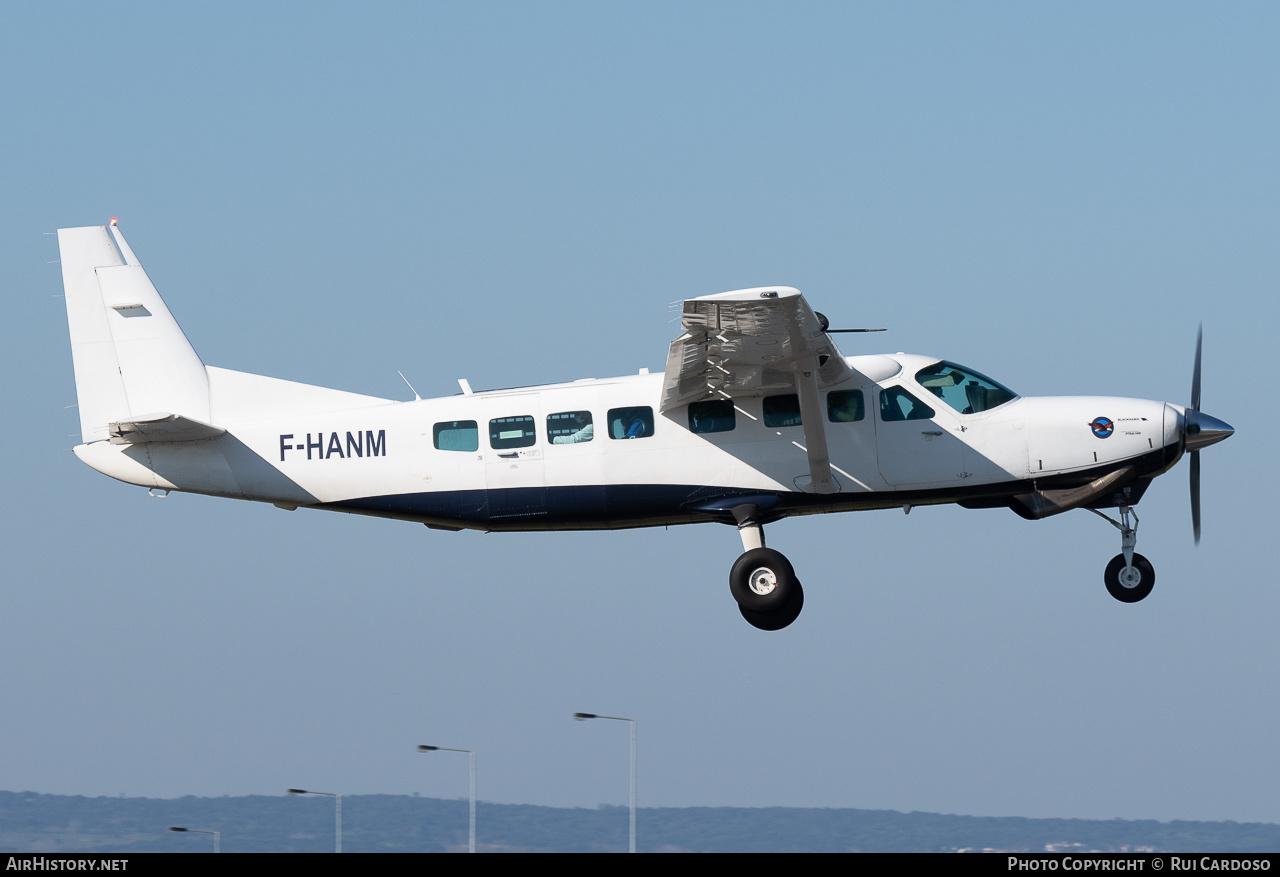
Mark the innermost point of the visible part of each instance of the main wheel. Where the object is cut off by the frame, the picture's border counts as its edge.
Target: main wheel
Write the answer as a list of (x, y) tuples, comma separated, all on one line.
[(779, 618), (762, 580), (1132, 584)]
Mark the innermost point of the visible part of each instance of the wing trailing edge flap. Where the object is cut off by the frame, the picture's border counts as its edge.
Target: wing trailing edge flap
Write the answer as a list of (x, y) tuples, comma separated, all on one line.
[(161, 428), (751, 342)]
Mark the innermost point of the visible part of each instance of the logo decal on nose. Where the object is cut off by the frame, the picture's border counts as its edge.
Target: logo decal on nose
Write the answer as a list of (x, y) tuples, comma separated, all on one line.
[(1102, 427)]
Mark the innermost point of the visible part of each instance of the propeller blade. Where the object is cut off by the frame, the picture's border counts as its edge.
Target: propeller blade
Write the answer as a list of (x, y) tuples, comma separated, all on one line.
[(1195, 494), (1200, 431), (1193, 426), (1195, 375)]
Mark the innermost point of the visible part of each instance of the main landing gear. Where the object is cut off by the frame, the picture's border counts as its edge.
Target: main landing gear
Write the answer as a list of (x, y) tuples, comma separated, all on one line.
[(768, 594), (1129, 576)]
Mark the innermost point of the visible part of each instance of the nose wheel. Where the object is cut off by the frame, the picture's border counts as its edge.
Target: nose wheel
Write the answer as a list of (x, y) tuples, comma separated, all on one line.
[(1129, 583)]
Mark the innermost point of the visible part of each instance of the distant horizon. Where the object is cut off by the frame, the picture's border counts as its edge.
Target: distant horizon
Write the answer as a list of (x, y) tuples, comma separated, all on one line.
[(639, 807), (31, 822)]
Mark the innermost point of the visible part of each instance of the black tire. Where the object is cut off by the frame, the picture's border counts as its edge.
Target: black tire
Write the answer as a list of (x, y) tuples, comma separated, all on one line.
[(1130, 591), (762, 580), (780, 618)]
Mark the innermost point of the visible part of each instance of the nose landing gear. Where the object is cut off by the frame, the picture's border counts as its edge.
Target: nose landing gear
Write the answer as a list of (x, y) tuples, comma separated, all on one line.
[(1129, 576)]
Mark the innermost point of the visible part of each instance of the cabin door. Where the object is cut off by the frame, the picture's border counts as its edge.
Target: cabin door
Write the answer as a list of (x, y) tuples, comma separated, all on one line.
[(512, 439)]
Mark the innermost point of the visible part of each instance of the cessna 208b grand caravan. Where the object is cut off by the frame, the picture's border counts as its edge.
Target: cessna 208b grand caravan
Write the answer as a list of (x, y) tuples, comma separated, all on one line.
[(757, 417)]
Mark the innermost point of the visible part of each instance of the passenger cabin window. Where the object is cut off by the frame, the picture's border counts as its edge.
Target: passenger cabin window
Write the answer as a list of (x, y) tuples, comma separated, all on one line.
[(511, 432), (845, 406), (629, 423), (963, 388), (570, 427), (897, 404), (716, 415), (782, 410), (456, 435)]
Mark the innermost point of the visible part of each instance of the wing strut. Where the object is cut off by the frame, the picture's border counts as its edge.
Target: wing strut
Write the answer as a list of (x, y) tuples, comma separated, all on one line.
[(815, 435)]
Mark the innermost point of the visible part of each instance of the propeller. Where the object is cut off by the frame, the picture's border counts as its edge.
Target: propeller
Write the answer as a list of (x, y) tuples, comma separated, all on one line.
[(1200, 432), (1195, 455)]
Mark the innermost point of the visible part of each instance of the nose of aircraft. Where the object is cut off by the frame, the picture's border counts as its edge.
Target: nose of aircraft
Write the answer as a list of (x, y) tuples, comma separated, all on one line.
[(1203, 430)]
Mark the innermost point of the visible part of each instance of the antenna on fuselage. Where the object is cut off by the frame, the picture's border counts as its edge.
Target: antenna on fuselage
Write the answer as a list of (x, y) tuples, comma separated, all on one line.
[(416, 397)]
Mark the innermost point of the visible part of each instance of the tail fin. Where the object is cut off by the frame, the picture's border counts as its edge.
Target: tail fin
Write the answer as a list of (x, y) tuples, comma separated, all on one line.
[(132, 361)]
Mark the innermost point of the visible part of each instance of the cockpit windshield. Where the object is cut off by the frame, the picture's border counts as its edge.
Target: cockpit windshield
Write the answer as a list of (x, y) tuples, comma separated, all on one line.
[(963, 388)]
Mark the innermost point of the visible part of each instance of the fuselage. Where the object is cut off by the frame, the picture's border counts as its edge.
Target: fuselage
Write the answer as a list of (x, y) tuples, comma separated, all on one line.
[(756, 416), (599, 453)]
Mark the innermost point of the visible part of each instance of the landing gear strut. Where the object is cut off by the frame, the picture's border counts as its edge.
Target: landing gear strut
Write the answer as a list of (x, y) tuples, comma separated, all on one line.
[(768, 594), (1129, 576)]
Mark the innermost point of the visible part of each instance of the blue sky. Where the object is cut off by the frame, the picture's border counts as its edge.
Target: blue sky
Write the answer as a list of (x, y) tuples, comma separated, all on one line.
[(1054, 195)]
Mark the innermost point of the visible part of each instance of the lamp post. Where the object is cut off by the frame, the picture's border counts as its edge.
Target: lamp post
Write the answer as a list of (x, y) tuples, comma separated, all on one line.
[(582, 717), (472, 829), (337, 817), (217, 836)]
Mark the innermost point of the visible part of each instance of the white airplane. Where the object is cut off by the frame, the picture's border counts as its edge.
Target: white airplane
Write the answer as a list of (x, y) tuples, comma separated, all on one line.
[(757, 417)]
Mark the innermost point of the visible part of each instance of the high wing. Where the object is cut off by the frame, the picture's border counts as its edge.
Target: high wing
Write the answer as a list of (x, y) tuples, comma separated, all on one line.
[(752, 342)]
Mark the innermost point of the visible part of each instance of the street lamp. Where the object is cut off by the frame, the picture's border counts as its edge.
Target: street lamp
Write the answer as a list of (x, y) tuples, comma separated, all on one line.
[(582, 717), (217, 837), (472, 753), (337, 818)]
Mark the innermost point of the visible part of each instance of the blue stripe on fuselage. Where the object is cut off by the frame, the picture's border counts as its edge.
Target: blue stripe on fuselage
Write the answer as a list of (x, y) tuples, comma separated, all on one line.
[(616, 506)]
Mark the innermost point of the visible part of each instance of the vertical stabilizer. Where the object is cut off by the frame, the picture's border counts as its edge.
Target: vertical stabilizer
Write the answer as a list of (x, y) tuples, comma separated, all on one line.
[(131, 358)]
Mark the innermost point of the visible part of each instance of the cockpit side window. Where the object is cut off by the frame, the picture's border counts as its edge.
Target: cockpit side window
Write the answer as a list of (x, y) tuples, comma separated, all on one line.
[(897, 404), (962, 388)]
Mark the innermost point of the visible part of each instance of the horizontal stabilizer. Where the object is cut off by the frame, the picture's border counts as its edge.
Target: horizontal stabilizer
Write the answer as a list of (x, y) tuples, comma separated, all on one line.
[(162, 428)]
